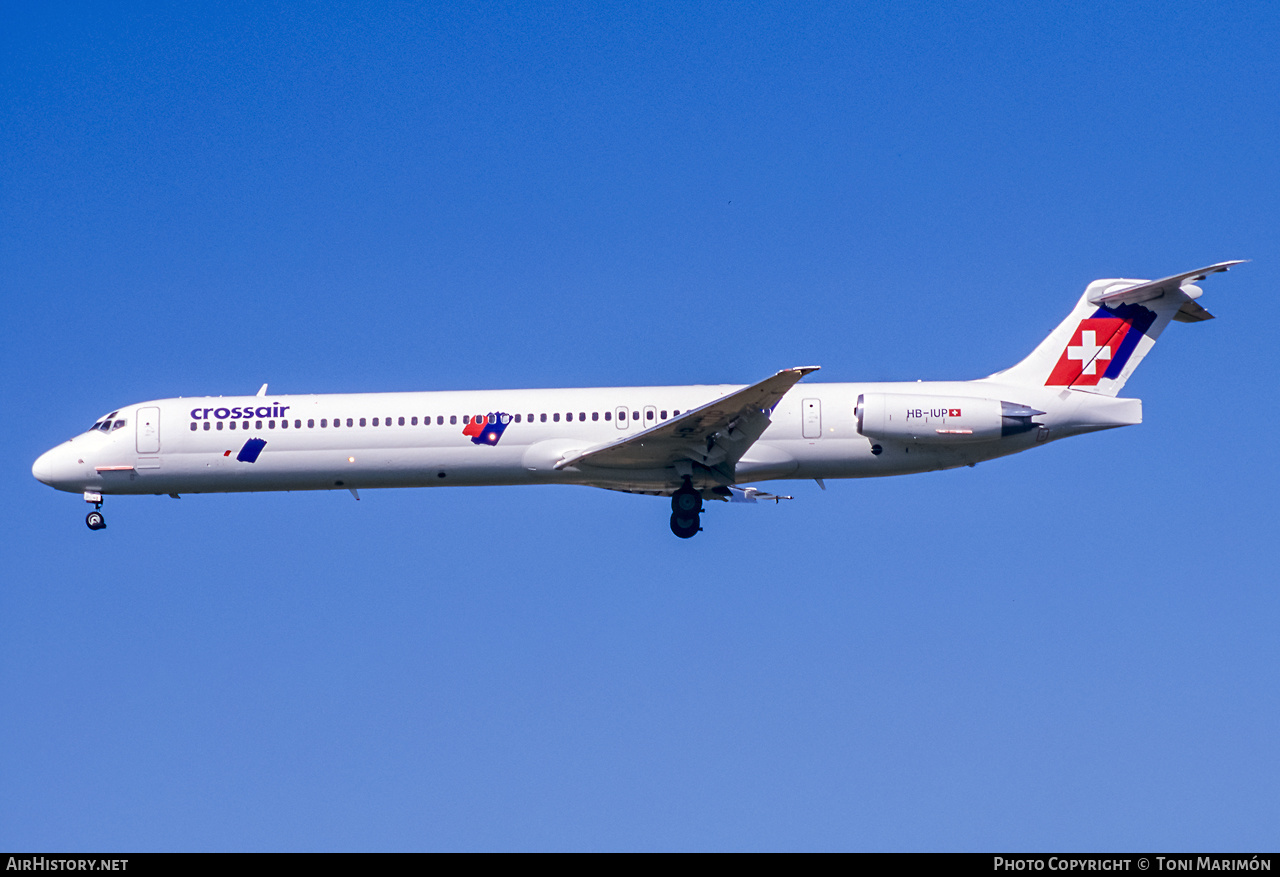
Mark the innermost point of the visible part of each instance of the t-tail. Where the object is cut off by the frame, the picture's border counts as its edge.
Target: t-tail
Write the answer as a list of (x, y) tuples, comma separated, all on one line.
[(1113, 326)]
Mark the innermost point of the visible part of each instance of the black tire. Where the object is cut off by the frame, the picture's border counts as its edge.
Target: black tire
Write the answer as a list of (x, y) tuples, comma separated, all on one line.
[(686, 501), (686, 527), (95, 520)]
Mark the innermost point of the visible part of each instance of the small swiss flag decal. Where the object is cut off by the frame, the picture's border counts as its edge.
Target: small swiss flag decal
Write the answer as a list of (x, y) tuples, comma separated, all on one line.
[(953, 412)]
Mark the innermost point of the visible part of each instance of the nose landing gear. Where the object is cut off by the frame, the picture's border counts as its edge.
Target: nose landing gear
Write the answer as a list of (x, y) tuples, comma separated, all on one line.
[(686, 508), (94, 519)]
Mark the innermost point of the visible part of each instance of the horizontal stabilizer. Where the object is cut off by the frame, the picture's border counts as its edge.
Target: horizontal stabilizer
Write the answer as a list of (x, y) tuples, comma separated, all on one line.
[(1192, 312), (1129, 293)]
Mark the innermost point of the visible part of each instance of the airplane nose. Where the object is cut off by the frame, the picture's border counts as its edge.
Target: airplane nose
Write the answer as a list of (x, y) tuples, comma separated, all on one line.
[(42, 468)]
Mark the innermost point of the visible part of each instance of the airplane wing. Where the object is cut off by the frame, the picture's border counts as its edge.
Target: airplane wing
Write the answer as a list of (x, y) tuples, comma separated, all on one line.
[(718, 432)]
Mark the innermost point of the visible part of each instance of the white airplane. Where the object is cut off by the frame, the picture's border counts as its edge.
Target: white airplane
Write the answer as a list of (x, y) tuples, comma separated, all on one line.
[(691, 443)]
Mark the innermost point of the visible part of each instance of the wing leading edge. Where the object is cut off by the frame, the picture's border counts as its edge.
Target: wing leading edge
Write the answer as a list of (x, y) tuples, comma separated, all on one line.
[(717, 433)]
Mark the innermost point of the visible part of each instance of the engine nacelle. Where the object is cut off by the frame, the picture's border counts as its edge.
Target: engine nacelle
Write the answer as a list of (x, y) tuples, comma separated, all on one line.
[(940, 419)]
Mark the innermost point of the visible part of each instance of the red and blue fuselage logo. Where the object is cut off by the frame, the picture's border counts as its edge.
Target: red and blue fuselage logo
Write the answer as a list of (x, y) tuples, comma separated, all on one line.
[(486, 429), (1101, 346)]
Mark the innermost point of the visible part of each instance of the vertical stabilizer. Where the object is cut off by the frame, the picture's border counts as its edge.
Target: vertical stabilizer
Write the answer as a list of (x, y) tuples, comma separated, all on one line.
[(1113, 326)]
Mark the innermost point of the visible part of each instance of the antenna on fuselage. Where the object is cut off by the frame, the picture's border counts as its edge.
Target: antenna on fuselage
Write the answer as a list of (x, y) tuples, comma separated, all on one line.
[(262, 391)]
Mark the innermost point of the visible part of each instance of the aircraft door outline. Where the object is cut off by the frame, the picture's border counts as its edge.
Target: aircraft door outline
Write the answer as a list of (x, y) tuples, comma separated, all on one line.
[(811, 413), (148, 438)]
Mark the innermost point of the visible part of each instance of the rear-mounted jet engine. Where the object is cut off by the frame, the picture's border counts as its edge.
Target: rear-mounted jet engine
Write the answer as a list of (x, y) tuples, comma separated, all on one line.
[(940, 419)]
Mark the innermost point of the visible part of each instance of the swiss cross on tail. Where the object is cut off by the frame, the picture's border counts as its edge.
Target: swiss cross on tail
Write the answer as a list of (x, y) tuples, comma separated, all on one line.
[(1101, 346)]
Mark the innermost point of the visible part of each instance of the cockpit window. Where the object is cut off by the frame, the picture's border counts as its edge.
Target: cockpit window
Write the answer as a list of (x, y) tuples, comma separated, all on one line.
[(118, 424), (105, 424)]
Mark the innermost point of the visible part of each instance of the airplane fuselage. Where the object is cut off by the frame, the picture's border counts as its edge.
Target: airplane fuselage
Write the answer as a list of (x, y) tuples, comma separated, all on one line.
[(430, 439)]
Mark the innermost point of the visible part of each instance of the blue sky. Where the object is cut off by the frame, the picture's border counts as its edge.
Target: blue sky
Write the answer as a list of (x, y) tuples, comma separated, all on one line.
[(1070, 649)]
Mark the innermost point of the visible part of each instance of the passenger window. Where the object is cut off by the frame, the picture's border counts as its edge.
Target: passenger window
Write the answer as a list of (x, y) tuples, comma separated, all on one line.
[(493, 418), (582, 415), (311, 424), (244, 425), (259, 425), (635, 415), (351, 423), (664, 414), (648, 415), (193, 426), (556, 417), (675, 413), (542, 417), (206, 425), (453, 420), (219, 426), (362, 421), (413, 421), (324, 422), (608, 415), (375, 422), (531, 418), (401, 421), (297, 424), (284, 424), (517, 418), (595, 415)]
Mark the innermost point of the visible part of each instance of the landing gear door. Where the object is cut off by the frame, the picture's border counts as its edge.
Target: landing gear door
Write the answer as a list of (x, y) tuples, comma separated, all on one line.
[(148, 430), (812, 410)]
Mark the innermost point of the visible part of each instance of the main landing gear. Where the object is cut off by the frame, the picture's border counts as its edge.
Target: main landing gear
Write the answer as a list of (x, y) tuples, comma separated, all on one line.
[(94, 519), (686, 506)]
